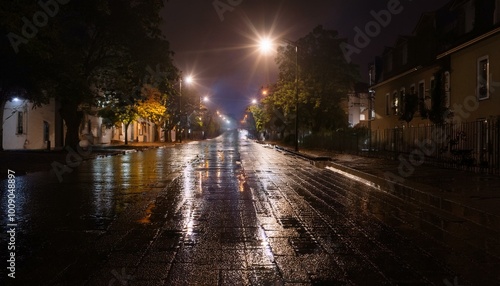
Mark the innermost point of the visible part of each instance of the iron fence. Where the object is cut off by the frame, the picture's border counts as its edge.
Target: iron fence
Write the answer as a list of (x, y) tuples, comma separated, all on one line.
[(468, 145)]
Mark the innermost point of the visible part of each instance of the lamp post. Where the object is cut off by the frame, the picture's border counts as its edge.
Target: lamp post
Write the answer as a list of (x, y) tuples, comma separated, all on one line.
[(296, 98), (266, 45), (189, 79)]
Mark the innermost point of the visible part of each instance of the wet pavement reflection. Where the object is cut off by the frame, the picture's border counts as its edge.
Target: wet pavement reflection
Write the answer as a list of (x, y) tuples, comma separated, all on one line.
[(229, 211)]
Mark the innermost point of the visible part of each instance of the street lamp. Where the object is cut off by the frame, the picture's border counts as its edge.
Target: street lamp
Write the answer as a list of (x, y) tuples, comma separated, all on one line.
[(266, 46), (189, 80)]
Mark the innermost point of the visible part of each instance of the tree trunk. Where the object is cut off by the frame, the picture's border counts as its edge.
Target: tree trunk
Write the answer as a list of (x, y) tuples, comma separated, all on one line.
[(126, 133), (72, 118)]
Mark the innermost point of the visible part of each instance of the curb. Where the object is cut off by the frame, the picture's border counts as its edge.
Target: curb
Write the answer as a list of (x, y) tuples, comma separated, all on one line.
[(410, 191)]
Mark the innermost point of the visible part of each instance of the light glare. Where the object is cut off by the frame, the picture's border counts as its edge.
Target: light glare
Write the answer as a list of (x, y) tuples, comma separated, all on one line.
[(266, 45)]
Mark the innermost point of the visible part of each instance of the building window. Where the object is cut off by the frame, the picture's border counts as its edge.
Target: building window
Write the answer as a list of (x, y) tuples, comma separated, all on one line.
[(46, 131), (401, 101), (428, 101), (447, 89), (371, 103), (421, 97), (395, 103), (483, 81), (412, 89), (388, 104), (20, 122)]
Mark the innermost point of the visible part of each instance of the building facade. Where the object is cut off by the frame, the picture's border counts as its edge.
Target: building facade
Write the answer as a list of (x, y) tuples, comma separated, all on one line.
[(443, 72), (26, 127), (440, 86), (41, 128)]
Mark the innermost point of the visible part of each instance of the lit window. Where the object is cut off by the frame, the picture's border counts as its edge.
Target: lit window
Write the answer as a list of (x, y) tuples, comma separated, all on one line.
[(395, 103)]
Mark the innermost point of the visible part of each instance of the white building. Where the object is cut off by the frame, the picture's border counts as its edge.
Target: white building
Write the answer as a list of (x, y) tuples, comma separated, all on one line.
[(358, 106), (25, 127), (40, 128)]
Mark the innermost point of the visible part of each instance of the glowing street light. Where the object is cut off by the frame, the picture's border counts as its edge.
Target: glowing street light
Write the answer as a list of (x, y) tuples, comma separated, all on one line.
[(266, 45), (254, 101)]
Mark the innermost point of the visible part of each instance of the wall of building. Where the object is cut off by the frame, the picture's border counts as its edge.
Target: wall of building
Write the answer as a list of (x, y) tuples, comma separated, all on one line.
[(464, 80), (32, 136), (358, 108), (384, 114), (100, 134), (34, 120)]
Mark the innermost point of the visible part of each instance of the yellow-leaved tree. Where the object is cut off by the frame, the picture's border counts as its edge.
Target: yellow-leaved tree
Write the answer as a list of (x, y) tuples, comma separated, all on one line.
[(153, 106)]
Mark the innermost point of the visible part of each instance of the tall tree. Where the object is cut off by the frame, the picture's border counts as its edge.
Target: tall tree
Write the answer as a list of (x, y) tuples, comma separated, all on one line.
[(82, 42), (325, 79)]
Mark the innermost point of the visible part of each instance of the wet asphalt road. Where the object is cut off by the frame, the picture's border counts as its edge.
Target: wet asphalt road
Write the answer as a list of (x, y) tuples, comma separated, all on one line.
[(231, 212)]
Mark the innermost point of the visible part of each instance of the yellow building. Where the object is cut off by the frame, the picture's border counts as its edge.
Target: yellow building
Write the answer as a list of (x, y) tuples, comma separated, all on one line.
[(463, 52), (441, 85), (475, 78)]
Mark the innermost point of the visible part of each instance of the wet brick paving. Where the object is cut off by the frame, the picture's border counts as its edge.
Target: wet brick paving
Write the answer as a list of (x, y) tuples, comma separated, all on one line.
[(232, 212)]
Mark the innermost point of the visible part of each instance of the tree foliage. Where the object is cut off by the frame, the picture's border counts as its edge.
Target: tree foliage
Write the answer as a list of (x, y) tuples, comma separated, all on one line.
[(438, 111), (87, 50), (325, 79), (152, 107), (410, 106)]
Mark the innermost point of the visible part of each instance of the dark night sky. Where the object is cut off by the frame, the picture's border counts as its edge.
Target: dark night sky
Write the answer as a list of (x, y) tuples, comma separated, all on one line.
[(222, 56)]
